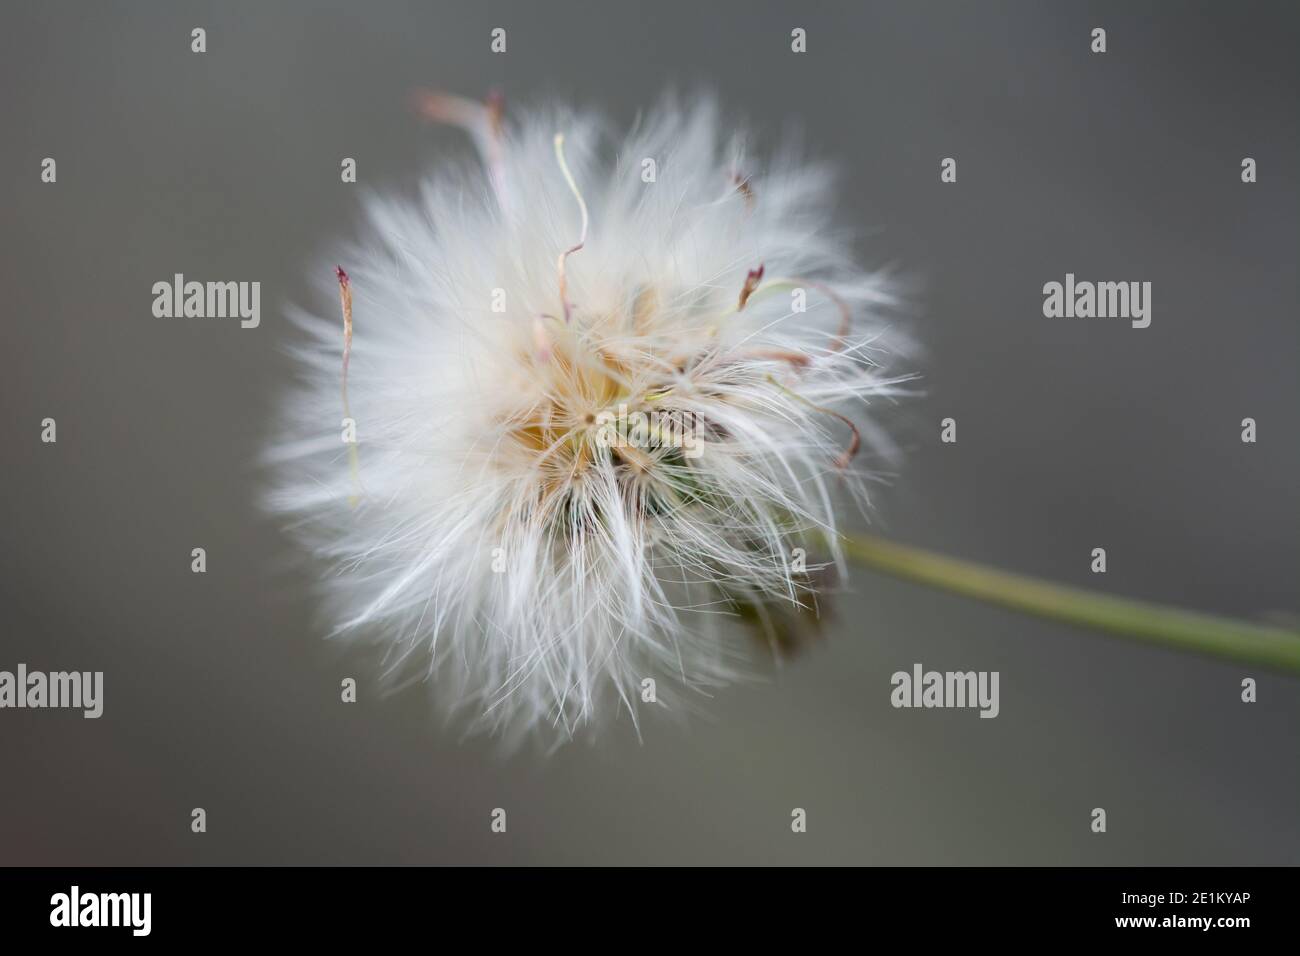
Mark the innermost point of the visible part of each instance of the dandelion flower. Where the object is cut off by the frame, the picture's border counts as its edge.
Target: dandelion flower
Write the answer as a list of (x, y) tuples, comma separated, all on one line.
[(608, 394)]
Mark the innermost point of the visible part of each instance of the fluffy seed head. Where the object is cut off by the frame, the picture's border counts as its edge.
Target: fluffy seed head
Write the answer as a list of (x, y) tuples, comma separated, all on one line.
[(607, 395)]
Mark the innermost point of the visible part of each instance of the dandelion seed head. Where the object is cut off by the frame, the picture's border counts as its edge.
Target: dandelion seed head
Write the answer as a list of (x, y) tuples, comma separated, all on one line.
[(606, 391)]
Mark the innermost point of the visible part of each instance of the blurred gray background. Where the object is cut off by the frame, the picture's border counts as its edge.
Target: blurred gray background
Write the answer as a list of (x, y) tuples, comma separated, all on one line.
[(220, 692)]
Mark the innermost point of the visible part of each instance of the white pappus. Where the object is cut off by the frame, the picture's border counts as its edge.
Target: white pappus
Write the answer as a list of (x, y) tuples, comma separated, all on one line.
[(606, 392)]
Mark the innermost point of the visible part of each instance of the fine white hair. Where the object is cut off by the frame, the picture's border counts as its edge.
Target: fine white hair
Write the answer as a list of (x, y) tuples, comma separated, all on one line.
[(494, 527)]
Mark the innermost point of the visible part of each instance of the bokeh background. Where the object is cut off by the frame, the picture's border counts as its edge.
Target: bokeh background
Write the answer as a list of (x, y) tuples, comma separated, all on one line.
[(221, 692)]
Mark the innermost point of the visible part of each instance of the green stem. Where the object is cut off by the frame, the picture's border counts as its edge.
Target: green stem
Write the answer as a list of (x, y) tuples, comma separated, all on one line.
[(1272, 647)]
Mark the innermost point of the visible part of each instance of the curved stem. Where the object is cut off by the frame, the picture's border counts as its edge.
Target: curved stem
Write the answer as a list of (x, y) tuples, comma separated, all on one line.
[(1241, 641)]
